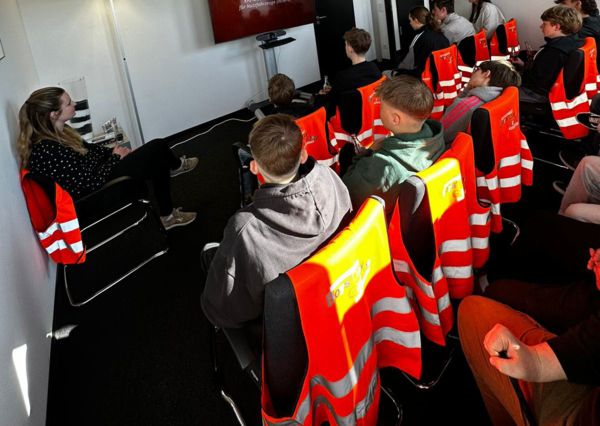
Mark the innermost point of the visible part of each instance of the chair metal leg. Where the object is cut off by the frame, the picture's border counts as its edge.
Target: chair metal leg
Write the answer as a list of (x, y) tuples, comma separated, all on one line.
[(432, 383), (219, 382), (514, 225), (390, 395)]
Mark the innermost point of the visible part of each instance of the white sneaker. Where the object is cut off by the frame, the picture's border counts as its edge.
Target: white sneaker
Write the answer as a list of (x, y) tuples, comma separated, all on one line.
[(178, 218), (187, 165)]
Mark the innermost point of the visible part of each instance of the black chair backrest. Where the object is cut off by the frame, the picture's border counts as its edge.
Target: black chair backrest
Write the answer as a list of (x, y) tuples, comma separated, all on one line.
[(417, 229), (597, 39), (573, 73), (483, 144), (435, 75), (467, 50), (285, 352), (350, 106), (502, 39)]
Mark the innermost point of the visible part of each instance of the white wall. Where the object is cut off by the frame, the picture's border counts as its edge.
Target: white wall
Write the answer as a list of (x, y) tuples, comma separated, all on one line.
[(364, 17), (26, 276), (71, 38), (526, 13)]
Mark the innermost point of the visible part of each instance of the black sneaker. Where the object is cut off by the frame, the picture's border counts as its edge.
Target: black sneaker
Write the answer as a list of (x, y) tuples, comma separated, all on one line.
[(560, 187), (569, 159), (588, 119)]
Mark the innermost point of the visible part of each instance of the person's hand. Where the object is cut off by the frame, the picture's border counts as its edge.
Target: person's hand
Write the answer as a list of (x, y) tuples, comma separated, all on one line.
[(376, 146), (522, 362), (325, 91), (516, 61), (593, 265), (121, 151)]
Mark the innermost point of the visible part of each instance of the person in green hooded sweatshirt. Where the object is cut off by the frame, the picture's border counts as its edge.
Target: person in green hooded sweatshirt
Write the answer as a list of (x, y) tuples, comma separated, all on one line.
[(417, 142)]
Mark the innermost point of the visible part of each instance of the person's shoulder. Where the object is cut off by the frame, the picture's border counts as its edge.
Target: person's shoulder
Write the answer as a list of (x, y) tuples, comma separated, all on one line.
[(236, 229)]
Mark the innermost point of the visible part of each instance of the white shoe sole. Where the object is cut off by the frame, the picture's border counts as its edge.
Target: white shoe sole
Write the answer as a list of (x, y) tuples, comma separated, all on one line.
[(179, 224)]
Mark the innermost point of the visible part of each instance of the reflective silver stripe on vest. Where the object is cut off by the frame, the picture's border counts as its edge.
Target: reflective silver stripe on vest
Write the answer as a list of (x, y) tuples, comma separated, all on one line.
[(510, 182), (436, 276), (447, 83), (558, 106), (457, 272), (456, 245), (591, 86), (480, 243), (408, 339), (438, 95), (500, 58), (437, 109), (61, 245), (399, 305), (343, 137), (567, 122), (80, 124), (527, 164), (378, 123), (450, 95), (479, 219), (509, 161), (68, 226), (443, 302), (465, 68), (402, 266), (491, 183), (431, 318), (333, 142), (329, 161), (339, 389), (364, 135)]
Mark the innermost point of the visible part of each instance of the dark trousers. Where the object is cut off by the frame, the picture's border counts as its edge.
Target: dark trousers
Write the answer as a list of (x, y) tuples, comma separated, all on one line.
[(152, 161), (544, 274)]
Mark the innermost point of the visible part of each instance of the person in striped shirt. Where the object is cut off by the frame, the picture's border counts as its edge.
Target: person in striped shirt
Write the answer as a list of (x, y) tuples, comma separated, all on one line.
[(487, 82)]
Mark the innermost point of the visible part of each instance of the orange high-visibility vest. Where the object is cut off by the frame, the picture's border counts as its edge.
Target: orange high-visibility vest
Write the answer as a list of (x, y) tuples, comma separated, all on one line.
[(449, 79), (512, 41), (512, 157), (356, 319), (318, 138), (482, 54), (479, 215), (565, 110), (452, 272), (372, 127), (54, 219)]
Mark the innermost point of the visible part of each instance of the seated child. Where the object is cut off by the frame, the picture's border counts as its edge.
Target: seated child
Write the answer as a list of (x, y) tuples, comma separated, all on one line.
[(588, 9), (454, 26), (417, 142), (299, 208), (361, 73), (487, 83), (281, 90), (559, 26)]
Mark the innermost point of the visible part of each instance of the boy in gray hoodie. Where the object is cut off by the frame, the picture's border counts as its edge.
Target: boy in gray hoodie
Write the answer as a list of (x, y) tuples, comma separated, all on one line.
[(487, 82), (301, 205)]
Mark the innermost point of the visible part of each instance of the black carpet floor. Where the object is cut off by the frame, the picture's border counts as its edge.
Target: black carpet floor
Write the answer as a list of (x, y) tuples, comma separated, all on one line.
[(141, 354)]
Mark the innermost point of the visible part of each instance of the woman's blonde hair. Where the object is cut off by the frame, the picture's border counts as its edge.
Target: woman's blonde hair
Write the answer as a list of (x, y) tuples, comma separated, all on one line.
[(36, 125)]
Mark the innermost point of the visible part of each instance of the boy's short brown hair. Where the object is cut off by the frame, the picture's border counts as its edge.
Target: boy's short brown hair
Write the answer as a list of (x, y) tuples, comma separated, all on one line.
[(502, 73), (407, 94), (569, 19), (587, 6), (281, 90), (448, 4), (359, 40), (276, 144)]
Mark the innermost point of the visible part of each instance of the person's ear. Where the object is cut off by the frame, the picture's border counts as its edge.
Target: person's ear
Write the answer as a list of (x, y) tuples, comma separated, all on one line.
[(487, 74), (396, 119), (303, 156), (53, 115), (254, 167)]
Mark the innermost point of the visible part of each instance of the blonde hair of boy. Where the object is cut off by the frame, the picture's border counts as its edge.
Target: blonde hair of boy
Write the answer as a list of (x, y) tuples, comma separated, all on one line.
[(408, 95)]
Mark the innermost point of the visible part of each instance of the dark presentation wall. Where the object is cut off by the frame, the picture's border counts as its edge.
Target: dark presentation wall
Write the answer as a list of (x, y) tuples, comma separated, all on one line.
[(233, 19)]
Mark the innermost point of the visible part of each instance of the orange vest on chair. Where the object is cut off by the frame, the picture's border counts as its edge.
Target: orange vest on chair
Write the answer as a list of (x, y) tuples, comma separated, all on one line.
[(449, 79), (54, 220), (565, 110), (452, 274), (318, 138), (479, 216), (512, 157), (482, 54), (372, 127), (355, 319), (512, 42)]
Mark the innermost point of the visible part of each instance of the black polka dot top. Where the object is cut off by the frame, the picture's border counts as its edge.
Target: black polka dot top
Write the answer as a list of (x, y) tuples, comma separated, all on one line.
[(78, 174)]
